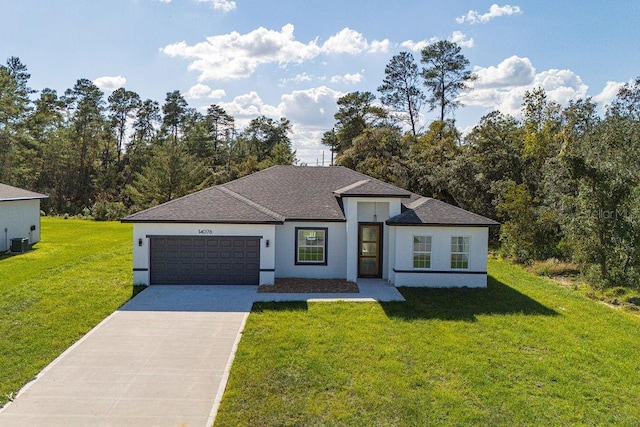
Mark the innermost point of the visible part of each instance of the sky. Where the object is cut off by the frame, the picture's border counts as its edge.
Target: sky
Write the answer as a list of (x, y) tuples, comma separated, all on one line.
[(295, 58)]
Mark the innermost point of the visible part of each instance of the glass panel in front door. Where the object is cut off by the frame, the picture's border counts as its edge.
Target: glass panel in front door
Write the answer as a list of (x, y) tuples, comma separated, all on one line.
[(369, 234)]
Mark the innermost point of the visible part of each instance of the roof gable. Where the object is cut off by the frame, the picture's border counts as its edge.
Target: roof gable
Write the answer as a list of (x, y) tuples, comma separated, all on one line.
[(9, 193)]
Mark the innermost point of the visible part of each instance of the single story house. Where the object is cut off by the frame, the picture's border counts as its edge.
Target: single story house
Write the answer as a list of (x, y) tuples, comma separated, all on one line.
[(19, 215), (309, 222)]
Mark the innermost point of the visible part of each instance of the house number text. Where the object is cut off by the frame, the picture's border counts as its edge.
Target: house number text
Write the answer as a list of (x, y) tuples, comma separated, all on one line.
[(205, 231)]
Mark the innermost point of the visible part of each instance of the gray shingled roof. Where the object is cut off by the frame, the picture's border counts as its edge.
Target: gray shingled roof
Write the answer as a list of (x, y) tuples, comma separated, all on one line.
[(288, 193), (8, 193), (428, 211), (211, 205)]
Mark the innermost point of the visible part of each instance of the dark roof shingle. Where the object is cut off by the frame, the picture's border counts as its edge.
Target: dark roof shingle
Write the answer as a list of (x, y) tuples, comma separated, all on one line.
[(428, 211), (213, 205), (8, 193)]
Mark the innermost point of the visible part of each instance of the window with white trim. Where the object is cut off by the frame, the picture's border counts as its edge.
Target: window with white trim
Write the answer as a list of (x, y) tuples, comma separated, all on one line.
[(459, 252), (311, 246), (421, 251)]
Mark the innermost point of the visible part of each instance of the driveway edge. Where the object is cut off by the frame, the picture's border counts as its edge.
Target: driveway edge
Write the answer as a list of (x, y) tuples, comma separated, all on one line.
[(227, 371)]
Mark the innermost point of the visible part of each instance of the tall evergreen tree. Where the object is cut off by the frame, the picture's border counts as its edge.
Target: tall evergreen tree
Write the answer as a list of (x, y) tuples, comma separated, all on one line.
[(85, 106), (122, 106), (445, 74), (400, 88)]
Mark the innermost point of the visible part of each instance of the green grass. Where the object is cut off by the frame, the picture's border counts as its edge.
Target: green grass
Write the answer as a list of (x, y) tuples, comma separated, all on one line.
[(50, 297), (525, 351)]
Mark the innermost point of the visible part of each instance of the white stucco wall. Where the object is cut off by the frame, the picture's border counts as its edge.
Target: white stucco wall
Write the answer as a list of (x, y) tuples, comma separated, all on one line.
[(336, 267), (441, 274), (16, 219), (142, 230), (362, 209)]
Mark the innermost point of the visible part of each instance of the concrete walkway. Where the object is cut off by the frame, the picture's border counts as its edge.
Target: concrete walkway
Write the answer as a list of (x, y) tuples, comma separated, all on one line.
[(371, 290), (163, 359)]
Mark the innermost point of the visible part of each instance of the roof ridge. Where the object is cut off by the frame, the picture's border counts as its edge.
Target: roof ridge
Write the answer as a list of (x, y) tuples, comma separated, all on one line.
[(418, 202), (371, 178), (351, 186), (251, 203)]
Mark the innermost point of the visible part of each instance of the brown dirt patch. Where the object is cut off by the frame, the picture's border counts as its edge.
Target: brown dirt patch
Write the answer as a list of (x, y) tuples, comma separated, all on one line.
[(308, 286)]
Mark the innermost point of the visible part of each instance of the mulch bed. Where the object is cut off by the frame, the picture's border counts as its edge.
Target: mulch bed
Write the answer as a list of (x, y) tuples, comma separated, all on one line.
[(308, 286)]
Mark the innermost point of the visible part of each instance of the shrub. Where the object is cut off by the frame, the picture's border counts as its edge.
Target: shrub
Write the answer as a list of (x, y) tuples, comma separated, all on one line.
[(555, 267), (108, 211)]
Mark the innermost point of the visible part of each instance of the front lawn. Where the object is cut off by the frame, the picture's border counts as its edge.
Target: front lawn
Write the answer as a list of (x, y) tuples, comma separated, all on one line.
[(50, 297), (525, 351)]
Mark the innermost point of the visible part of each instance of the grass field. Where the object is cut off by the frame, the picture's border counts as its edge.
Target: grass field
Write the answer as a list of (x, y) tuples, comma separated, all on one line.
[(523, 352), (50, 297)]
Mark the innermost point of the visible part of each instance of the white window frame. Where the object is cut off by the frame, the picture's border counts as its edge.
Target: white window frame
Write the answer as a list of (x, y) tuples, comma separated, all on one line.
[(298, 245), (426, 251), (459, 253)]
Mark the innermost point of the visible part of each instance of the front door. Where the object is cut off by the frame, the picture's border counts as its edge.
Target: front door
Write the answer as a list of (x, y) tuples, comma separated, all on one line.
[(370, 250)]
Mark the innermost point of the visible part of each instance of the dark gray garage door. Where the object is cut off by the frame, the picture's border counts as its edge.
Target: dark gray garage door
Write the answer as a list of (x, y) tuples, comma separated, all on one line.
[(214, 260)]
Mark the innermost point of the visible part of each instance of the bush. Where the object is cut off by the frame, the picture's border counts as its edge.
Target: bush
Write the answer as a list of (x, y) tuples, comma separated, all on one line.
[(554, 267), (108, 211)]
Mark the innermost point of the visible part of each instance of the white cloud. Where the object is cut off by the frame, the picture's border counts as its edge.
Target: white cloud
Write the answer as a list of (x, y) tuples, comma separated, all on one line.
[(298, 78), (608, 93), (461, 39), (346, 41), (457, 37), (164, 1), (353, 42), (495, 11), (222, 5), (313, 107), (379, 46), (249, 105), (217, 94), (199, 91), (513, 71), (502, 87), (235, 56), (347, 78), (110, 83), (419, 45)]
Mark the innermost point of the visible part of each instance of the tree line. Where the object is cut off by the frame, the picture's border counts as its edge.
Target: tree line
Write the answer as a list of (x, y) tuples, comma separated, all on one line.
[(107, 157), (563, 181)]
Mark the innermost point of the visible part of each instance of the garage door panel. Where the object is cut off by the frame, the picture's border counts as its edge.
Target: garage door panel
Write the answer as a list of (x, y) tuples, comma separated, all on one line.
[(206, 260)]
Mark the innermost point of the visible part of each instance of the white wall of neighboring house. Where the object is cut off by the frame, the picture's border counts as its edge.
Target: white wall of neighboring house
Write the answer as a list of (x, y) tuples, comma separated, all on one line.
[(336, 267), (144, 230), (440, 274), (16, 219)]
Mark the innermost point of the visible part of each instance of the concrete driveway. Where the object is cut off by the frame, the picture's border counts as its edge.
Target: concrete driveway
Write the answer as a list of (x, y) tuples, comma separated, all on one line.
[(161, 360)]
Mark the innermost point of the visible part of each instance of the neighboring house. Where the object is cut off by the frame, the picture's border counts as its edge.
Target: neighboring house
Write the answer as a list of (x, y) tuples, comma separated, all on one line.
[(311, 222), (19, 215)]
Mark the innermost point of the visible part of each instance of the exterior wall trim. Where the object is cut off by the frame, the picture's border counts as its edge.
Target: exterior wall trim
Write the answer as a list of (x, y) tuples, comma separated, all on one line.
[(460, 271)]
